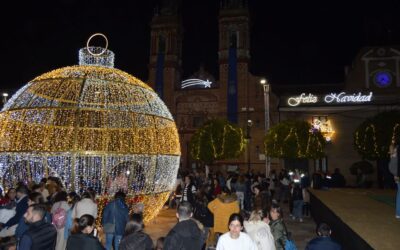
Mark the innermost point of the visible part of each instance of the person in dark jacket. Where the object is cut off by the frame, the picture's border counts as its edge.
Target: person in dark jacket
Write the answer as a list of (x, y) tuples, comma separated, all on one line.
[(298, 202), (134, 237), (338, 179), (260, 201), (202, 213), (116, 215), (186, 234), (323, 241), (40, 235), (278, 228), (189, 190), (22, 205), (85, 236), (33, 198)]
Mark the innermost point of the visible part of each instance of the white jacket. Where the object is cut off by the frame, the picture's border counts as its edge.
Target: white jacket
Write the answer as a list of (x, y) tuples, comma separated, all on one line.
[(84, 206), (260, 233)]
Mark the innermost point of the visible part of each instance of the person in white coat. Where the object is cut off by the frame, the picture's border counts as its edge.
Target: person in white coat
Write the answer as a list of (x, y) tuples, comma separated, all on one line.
[(259, 231), (235, 239), (85, 206), (60, 202)]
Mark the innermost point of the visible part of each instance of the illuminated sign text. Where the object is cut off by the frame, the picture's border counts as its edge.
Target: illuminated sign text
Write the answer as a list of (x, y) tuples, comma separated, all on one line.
[(303, 98), (338, 98), (342, 97)]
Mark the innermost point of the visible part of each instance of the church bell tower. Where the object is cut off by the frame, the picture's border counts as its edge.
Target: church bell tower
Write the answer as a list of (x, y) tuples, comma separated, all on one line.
[(166, 52), (234, 55)]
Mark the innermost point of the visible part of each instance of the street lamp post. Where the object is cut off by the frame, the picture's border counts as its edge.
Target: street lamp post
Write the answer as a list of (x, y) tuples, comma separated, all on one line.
[(266, 88), (248, 133), (5, 97), (249, 124)]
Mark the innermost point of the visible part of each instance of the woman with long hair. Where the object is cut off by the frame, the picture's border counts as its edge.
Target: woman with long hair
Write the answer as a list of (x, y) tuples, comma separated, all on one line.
[(278, 228), (240, 188), (73, 198), (259, 231), (216, 188), (134, 237), (59, 209), (201, 211), (235, 239), (85, 236), (7, 205), (8, 201), (85, 206)]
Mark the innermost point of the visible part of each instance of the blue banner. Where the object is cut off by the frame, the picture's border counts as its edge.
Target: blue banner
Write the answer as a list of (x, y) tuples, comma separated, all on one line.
[(232, 87), (160, 75)]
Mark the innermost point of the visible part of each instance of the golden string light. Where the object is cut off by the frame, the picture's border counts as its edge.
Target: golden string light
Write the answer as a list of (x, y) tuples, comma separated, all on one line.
[(93, 126)]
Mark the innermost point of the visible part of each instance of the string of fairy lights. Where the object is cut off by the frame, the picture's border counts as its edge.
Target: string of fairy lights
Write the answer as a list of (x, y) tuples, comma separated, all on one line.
[(93, 126), (367, 139)]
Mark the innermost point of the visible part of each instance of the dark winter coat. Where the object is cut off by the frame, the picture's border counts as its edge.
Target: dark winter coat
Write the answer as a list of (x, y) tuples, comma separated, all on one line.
[(278, 230), (297, 194), (325, 243), (116, 212), (40, 235), (138, 240), (189, 193), (22, 206), (203, 214), (22, 226), (83, 242), (338, 180), (186, 235)]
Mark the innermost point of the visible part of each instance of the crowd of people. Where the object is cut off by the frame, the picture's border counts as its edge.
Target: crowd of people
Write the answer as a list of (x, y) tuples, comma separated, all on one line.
[(239, 211), (213, 211)]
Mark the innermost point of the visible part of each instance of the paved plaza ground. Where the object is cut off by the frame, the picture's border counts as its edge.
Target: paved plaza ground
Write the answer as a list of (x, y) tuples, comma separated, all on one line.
[(302, 231)]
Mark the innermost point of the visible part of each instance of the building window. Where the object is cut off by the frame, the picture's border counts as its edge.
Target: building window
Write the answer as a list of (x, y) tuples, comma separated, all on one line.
[(321, 165), (161, 44), (233, 39)]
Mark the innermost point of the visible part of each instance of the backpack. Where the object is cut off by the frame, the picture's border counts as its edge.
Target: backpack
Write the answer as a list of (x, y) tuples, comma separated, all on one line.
[(289, 245), (59, 218)]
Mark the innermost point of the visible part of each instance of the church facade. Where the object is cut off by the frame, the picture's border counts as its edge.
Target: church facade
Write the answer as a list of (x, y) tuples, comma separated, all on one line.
[(371, 85), (237, 95)]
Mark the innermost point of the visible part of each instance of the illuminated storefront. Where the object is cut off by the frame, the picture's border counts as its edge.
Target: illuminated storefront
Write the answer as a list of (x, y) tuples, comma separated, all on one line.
[(371, 87), (335, 115)]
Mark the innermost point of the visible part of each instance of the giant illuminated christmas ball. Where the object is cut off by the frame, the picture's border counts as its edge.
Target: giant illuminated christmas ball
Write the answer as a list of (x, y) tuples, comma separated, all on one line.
[(93, 126)]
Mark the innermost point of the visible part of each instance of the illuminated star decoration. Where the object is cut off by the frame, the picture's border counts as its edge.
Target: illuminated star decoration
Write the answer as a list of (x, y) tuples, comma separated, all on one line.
[(196, 82)]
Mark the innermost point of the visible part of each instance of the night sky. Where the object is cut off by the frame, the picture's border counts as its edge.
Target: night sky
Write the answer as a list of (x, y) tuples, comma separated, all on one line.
[(292, 43)]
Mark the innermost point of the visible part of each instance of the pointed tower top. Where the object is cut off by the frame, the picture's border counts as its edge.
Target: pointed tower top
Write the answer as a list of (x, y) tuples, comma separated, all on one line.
[(170, 7), (234, 4)]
